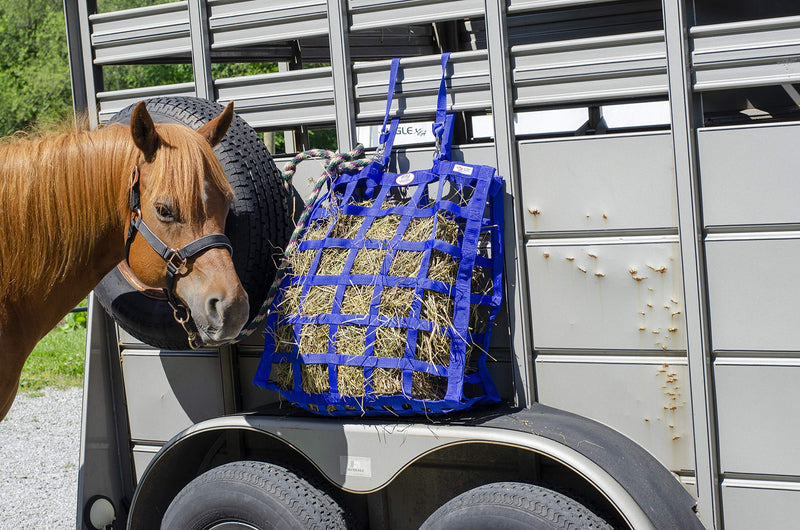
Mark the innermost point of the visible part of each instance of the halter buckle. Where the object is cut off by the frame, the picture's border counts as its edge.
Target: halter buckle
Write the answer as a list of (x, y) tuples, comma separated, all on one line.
[(176, 262), (184, 316)]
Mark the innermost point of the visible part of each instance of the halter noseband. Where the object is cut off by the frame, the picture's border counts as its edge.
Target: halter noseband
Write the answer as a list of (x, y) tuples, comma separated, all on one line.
[(176, 259)]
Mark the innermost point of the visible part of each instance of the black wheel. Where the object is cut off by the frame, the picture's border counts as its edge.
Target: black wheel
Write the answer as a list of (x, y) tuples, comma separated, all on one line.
[(258, 224), (512, 506), (252, 495)]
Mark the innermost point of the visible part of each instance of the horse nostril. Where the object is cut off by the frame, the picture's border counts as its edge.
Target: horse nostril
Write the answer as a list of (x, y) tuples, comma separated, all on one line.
[(214, 310)]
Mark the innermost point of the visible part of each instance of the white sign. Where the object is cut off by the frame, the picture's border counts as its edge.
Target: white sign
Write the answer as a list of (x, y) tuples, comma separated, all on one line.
[(355, 466)]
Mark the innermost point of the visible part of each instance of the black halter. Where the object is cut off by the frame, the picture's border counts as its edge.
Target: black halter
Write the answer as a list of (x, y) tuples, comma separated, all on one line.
[(176, 259)]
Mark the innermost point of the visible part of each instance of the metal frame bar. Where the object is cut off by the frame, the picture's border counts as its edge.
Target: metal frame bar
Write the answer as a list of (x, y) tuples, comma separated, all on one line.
[(201, 49), (344, 103), (91, 74), (685, 119), (516, 279)]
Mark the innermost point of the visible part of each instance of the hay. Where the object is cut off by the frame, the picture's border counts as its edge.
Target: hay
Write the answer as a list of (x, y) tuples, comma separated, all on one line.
[(313, 339), (282, 375), (387, 381), (284, 338), (351, 380), (301, 261), (319, 300), (347, 226), (368, 261), (384, 227), (390, 342), (351, 340), (315, 378), (290, 302), (396, 302), (332, 261), (419, 229), (447, 229), (437, 307), (481, 281), (357, 299), (433, 348), (406, 263), (428, 386), (442, 267), (318, 228)]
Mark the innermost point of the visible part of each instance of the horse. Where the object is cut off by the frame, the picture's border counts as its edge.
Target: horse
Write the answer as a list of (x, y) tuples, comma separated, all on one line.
[(75, 204)]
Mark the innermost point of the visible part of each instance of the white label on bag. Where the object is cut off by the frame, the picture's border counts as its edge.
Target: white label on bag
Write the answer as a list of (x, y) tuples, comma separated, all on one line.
[(404, 179), (464, 170), (355, 466)]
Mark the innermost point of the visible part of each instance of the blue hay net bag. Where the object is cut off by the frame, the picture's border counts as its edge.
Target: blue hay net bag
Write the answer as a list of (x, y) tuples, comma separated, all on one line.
[(393, 289)]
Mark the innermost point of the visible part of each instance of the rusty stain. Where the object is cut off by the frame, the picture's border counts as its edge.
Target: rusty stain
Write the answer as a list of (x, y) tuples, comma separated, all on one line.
[(587, 215), (534, 211), (671, 426), (676, 313), (642, 328), (639, 278), (672, 330), (666, 307), (581, 269), (646, 419), (546, 255), (665, 365), (633, 271), (569, 258), (599, 274), (675, 437), (649, 305), (656, 331), (642, 313), (664, 347), (661, 270), (591, 255), (673, 301), (651, 289), (605, 216)]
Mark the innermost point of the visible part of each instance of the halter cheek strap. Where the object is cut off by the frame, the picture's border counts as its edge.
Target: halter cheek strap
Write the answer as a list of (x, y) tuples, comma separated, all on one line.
[(176, 259)]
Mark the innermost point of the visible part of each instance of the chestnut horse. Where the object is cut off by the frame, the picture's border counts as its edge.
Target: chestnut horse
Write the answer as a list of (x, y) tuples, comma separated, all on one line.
[(65, 210)]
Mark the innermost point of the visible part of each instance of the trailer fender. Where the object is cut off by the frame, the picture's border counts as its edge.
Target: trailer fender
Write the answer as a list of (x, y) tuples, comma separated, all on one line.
[(353, 456)]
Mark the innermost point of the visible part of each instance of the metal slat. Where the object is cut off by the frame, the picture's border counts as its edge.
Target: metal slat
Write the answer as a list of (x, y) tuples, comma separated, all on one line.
[(250, 22), (143, 33), (746, 54), (590, 69), (366, 14), (468, 85), (113, 102), (300, 97)]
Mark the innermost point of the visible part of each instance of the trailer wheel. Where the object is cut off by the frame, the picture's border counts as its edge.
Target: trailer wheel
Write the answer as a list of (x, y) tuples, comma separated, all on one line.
[(258, 224), (253, 495), (512, 506)]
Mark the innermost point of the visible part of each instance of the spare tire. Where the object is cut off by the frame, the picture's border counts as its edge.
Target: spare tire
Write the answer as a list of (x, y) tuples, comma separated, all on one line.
[(258, 224)]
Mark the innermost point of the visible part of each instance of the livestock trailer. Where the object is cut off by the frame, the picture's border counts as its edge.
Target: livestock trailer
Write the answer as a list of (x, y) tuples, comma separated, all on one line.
[(646, 353)]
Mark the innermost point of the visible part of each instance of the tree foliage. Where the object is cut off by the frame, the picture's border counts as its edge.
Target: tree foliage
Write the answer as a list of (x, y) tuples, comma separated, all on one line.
[(34, 67)]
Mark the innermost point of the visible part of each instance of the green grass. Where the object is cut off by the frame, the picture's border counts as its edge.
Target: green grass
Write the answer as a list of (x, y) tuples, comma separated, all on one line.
[(57, 361)]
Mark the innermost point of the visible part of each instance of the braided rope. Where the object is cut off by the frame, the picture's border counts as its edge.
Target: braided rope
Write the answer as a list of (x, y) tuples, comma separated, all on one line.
[(337, 163)]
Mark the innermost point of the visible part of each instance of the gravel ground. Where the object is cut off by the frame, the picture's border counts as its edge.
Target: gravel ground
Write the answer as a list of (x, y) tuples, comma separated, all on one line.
[(39, 454)]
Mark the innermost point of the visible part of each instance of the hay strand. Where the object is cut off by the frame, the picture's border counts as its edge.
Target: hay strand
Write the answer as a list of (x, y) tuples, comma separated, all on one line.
[(387, 381), (396, 302), (357, 299), (351, 340), (368, 261), (437, 307), (313, 339), (282, 375), (315, 378), (442, 267), (332, 261), (433, 348), (390, 342), (406, 263), (319, 300), (384, 228), (347, 226), (351, 380)]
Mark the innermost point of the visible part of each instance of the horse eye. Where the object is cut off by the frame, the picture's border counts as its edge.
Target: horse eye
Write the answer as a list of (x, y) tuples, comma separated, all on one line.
[(165, 213)]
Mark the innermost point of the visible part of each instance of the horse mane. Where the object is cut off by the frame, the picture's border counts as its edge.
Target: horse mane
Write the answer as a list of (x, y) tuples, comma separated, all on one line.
[(61, 192)]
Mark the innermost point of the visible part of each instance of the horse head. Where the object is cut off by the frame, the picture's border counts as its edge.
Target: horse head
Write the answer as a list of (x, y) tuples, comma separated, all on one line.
[(179, 199)]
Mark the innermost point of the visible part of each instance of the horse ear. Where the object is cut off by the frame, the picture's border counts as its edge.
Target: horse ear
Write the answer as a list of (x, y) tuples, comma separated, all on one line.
[(144, 131), (215, 130)]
